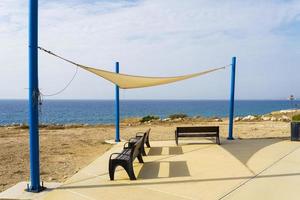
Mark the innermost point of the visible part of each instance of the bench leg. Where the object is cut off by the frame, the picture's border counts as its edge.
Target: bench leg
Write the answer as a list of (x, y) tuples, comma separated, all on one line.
[(130, 172), (218, 140), (112, 169), (126, 165), (140, 158), (143, 151), (148, 143)]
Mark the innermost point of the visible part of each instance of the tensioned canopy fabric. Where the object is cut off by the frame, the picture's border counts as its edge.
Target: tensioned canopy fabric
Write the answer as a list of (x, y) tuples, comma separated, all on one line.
[(126, 81)]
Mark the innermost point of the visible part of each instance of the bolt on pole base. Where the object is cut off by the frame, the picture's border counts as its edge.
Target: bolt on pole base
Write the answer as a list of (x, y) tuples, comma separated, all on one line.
[(35, 190)]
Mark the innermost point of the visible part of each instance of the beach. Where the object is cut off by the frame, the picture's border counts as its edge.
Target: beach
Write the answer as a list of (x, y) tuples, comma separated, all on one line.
[(66, 149)]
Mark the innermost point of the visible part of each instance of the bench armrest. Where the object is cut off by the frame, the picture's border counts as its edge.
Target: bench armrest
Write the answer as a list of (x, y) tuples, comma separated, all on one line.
[(129, 143), (126, 145), (113, 154)]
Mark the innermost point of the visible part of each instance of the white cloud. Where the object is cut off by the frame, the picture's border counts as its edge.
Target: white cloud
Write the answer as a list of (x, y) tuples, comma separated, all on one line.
[(155, 37)]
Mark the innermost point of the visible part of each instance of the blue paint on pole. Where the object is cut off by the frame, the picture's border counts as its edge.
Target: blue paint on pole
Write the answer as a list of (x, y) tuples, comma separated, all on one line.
[(33, 99), (117, 139), (231, 111)]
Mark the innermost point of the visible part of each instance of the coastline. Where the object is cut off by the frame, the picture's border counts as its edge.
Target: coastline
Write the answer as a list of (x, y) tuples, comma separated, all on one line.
[(103, 111), (280, 115)]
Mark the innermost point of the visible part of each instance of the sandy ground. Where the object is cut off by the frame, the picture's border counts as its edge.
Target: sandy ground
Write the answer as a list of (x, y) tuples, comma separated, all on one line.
[(66, 150)]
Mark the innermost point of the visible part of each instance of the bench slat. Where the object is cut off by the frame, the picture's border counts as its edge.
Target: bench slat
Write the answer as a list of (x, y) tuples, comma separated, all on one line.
[(197, 135), (198, 129)]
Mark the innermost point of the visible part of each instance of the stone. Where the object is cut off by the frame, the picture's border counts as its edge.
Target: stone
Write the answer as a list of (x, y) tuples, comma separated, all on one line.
[(285, 118), (237, 119), (273, 119), (177, 119), (265, 118), (218, 120), (249, 118)]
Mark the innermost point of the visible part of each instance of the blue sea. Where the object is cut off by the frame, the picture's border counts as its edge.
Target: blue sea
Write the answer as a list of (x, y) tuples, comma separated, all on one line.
[(102, 111)]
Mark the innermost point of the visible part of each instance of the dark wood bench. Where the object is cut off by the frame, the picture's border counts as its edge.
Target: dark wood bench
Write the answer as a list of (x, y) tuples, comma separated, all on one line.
[(146, 140), (197, 131), (126, 158)]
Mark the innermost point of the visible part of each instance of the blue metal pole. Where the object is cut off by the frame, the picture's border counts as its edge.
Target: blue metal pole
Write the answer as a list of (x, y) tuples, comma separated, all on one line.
[(33, 99), (231, 105), (117, 139)]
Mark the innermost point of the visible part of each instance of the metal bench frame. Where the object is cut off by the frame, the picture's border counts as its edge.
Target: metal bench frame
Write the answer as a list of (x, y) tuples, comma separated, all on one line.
[(126, 158)]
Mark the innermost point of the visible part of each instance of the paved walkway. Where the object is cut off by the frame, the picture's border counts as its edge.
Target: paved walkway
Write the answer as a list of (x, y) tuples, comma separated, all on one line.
[(239, 169)]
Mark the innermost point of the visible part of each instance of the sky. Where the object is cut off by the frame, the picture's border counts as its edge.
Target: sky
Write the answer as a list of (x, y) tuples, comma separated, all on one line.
[(155, 38)]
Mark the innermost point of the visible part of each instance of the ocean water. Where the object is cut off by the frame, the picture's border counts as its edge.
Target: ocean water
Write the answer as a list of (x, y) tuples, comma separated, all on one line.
[(102, 111)]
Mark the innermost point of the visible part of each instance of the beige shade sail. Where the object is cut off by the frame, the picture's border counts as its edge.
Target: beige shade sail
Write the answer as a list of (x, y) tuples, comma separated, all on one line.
[(126, 81)]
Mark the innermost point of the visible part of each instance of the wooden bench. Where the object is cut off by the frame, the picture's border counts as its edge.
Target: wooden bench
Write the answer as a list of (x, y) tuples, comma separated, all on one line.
[(126, 158), (146, 140), (197, 131)]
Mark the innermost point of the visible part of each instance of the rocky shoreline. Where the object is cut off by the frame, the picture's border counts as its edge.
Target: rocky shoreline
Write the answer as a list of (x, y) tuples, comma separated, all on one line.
[(281, 115)]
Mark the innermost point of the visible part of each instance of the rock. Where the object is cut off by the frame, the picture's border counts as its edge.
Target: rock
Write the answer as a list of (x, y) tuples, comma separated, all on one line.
[(264, 118), (166, 119), (273, 119), (50, 178), (252, 118), (285, 118), (218, 120), (249, 118), (177, 119), (237, 119)]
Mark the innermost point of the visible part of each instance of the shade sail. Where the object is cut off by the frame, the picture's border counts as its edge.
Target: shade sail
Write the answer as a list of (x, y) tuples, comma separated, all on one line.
[(126, 81), (129, 81)]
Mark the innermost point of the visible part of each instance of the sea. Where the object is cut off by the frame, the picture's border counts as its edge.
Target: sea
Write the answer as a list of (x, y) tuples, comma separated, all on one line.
[(103, 111)]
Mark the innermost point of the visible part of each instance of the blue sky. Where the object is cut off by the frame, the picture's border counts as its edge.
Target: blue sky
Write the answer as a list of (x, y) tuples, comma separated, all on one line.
[(156, 38)]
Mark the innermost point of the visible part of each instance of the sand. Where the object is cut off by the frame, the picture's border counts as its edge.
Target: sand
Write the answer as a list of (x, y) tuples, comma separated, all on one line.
[(65, 150)]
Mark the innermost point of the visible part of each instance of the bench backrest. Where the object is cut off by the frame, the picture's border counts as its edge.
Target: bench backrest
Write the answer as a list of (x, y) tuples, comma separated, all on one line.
[(136, 148), (197, 129)]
